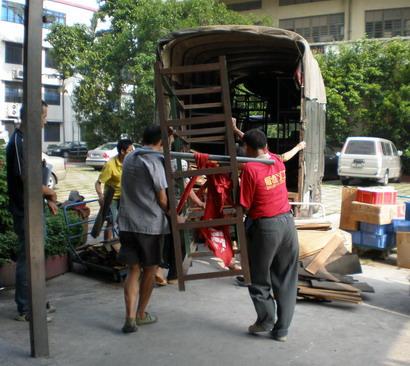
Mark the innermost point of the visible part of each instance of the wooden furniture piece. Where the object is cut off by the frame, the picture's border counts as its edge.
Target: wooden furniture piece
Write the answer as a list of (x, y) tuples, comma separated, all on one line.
[(201, 115)]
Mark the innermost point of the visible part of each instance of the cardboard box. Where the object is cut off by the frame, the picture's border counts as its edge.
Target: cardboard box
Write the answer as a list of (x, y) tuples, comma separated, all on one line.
[(377, 196), (375, 214), (403, 249), (346, 220)]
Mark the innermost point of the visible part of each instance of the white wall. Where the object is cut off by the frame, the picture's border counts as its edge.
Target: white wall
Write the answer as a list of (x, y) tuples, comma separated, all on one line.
[(12, 32)]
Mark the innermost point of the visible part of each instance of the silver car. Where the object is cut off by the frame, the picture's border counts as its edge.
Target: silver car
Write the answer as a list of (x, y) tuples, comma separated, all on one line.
[(100, 155), (369, 158), (58, 171)]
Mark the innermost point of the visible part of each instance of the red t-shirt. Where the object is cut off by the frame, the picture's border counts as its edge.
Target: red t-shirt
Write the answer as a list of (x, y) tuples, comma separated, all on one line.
[(263, 189)]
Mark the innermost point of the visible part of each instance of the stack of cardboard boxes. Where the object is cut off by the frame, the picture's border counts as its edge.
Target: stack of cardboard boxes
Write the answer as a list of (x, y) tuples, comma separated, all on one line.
[(376, 220)]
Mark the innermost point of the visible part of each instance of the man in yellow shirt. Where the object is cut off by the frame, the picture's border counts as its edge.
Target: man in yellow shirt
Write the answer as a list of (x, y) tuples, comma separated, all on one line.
[(110, 176)]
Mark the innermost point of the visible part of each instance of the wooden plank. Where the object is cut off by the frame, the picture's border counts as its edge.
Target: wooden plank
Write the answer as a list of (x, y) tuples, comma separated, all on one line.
[(212, 118), (328, 295), (320, 259), (208, 223), (190, 107), (205, 171), (33, 198), (334, 286), (163, 115), (190, 69), (201, 131), (208, 275), (205, 139), (197, 91)]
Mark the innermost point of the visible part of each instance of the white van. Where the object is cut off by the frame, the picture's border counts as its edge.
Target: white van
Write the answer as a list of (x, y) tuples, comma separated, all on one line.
[(369, 158)]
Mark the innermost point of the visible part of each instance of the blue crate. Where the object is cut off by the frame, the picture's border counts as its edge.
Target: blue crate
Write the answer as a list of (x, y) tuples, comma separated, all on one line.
[(407, 210), (356, 237), (381, 242), (401, 225), (376, 229)]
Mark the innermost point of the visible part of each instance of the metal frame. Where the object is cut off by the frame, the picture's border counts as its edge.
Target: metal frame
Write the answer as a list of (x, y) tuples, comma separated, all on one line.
[(33, 210)]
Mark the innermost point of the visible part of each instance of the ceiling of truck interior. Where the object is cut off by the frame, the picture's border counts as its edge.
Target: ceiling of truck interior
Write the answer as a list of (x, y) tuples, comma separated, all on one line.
[(255, 54)]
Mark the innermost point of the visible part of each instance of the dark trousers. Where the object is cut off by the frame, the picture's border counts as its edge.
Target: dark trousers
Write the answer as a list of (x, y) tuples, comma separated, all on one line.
[(273, 258), (168, 257), (21, 294)]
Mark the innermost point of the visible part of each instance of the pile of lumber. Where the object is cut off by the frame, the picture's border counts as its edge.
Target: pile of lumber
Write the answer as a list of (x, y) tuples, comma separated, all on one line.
[(326, 268)]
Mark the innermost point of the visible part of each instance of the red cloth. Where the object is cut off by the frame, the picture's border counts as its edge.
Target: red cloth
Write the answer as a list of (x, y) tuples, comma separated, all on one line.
[(263, 189), (218, 195)]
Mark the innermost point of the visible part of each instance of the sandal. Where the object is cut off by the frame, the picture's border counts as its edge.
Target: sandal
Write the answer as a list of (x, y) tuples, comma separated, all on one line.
[(148, 319)]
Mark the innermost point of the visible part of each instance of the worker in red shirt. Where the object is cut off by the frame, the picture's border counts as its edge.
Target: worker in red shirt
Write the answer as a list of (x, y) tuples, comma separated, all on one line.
[(272, 237)]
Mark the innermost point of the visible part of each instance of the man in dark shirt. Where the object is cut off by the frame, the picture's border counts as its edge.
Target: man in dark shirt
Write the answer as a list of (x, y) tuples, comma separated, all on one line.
[(15, 183), (272, 238)]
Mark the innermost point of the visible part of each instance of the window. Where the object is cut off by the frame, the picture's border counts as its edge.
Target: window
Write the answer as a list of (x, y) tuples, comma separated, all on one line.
[(292, 2), (324, 28), (52, 132), (248, 5), (357, 147), (12, 12), (52, 94), (395, 152), (386, 149), (49, 60), (52, 17), (14, 92), (388, 23), (14, 53)]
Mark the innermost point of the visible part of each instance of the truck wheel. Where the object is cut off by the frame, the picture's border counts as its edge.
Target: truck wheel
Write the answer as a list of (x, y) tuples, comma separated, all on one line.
[(345, 181)]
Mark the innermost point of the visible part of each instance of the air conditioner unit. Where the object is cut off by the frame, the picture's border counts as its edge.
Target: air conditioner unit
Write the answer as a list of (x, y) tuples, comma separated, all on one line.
[(13, 111), (18, 74)]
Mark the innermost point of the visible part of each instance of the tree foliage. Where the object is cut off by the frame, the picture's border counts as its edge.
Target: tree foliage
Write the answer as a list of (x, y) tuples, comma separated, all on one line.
[(368, 90), (116, 89)]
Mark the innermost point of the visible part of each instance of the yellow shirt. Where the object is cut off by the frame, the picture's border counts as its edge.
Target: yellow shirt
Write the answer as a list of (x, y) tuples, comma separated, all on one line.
[(111, 175)]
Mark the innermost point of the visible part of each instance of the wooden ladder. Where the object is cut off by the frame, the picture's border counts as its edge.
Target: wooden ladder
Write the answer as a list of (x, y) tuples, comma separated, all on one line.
[(199, 122)]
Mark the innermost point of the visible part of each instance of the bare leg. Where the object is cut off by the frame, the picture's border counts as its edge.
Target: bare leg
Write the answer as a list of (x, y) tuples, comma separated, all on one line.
[(146, 287), (131, 286)]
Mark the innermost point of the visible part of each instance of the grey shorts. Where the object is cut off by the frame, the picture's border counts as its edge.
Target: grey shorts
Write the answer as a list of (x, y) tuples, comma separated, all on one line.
[(143, 249)]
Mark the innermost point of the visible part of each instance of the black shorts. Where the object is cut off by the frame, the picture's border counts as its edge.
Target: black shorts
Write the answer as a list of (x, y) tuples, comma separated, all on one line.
[(143, 249)]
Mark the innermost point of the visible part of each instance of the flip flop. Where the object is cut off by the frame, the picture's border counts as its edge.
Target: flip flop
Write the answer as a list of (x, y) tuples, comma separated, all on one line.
[(149, 319)]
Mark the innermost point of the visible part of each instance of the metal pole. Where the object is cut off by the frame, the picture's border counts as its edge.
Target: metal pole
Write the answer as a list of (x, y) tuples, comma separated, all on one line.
[(33, 210), (189, 156)]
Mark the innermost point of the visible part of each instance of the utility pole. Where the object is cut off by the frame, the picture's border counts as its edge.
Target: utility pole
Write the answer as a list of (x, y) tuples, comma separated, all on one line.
[(33, 201)]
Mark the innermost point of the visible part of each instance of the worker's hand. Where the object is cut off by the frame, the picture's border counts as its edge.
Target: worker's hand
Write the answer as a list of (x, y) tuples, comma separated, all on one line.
[(53, 207), (49, 194), (181, 219), (101, 199), (234, 125), (202, 204), (302, 145)]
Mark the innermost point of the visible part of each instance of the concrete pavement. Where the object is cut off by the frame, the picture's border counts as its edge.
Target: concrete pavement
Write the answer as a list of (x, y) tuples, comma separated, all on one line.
[(206, 325)]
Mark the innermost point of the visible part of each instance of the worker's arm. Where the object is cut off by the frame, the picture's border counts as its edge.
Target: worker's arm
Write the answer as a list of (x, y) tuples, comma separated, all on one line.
[(51, 198), (195, 199), (291, 153), (162, 199), (98, 189), (236, 130)]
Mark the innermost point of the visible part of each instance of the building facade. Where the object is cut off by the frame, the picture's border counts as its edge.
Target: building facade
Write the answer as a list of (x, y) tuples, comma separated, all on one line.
[(61, 124), (322, 21)]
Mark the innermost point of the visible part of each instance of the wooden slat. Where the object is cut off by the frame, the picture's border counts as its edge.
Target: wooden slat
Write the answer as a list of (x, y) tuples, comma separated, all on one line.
[(202, 106), (208, 223), (190, 69), (208, 275), (201, 131), (206, 139), (197, 91), (208, 171), (212, 118)]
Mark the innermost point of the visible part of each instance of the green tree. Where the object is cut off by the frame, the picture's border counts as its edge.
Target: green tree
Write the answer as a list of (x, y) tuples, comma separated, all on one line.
[(115, 93), (368, 89)]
